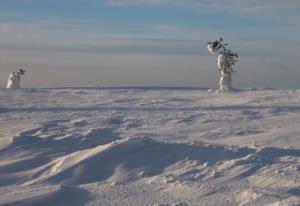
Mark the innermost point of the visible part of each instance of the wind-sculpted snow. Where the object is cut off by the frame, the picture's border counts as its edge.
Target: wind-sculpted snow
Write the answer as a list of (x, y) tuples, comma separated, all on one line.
[(60, 196), (103, 162), (149, 146)]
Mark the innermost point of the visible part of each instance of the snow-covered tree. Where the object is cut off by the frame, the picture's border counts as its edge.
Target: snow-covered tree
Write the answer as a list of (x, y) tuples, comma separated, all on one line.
[(14, 79), (226, 62)]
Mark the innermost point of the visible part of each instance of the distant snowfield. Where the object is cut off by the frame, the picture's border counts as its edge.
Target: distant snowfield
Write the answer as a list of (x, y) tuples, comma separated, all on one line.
[(149, 146)]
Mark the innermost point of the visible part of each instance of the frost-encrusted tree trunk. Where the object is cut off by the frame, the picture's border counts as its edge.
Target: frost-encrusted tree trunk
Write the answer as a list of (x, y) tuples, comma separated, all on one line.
[(226, 62), (14, 79)]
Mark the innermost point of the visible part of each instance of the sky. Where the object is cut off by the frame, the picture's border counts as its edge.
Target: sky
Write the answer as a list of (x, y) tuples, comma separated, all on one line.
[(148, 42)]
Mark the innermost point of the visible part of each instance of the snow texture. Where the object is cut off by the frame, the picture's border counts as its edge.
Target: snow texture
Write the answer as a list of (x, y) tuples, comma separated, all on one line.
[(222, 62), (149, 146), (225, 81)]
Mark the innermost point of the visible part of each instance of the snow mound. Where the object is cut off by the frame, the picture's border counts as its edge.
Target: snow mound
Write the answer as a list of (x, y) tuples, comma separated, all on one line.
[(128, 160), (37, 147)]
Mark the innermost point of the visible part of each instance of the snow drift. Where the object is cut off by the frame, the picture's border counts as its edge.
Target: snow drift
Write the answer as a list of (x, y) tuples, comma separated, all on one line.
[(135, 146)]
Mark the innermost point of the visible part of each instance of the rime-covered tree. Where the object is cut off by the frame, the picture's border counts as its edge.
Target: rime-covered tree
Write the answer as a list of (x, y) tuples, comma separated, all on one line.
[(226, 62), (14, 79)]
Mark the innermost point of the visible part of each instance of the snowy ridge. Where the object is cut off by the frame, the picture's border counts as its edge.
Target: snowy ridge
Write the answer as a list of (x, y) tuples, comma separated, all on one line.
[(128, 146)]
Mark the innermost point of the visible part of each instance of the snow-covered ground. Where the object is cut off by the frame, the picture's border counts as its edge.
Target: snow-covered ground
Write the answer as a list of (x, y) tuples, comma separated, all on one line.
[(149, 146)]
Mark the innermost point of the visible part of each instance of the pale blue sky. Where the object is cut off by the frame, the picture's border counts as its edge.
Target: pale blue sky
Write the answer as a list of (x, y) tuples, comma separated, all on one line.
[(148, 42)]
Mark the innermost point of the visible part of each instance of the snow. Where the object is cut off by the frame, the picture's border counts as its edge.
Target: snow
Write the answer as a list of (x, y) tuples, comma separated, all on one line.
[(13, 81), (149, 146), (225, 81), (222, 61)]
